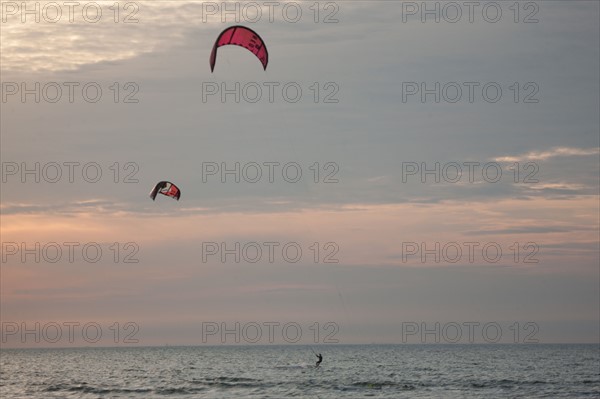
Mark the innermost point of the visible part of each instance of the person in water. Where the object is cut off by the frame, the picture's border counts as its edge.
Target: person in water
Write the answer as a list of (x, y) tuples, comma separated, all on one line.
[(320, 359)]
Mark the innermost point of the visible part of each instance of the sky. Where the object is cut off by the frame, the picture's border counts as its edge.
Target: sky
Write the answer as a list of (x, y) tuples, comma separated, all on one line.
[(401, 172)]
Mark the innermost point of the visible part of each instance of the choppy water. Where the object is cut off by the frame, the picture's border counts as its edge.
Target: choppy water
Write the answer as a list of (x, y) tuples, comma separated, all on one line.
[(347, 371)]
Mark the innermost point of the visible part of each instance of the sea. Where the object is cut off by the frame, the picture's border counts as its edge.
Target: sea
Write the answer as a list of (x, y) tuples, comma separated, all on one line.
[(347, 371)]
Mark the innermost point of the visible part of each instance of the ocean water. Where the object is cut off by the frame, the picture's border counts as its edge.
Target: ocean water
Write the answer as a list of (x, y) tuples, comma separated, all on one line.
[(347, 371)]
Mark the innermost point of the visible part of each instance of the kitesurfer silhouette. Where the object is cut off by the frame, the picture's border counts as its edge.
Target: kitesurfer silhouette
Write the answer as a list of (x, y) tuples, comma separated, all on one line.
[(320, 359)]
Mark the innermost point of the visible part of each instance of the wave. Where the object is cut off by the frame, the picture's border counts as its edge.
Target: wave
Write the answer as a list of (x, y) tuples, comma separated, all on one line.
[(85, 388)]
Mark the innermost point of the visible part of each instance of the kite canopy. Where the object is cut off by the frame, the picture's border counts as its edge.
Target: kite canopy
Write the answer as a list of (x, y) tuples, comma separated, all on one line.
[(165, 188), (241, 36)]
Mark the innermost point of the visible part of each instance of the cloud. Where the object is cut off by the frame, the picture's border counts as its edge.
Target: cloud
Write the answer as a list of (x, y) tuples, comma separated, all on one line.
[(68, 45), (552, 153), (85, 206), (533, 229)]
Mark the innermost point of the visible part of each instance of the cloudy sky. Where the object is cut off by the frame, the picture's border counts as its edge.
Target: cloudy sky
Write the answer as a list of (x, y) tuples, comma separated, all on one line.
[(386, 170)]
